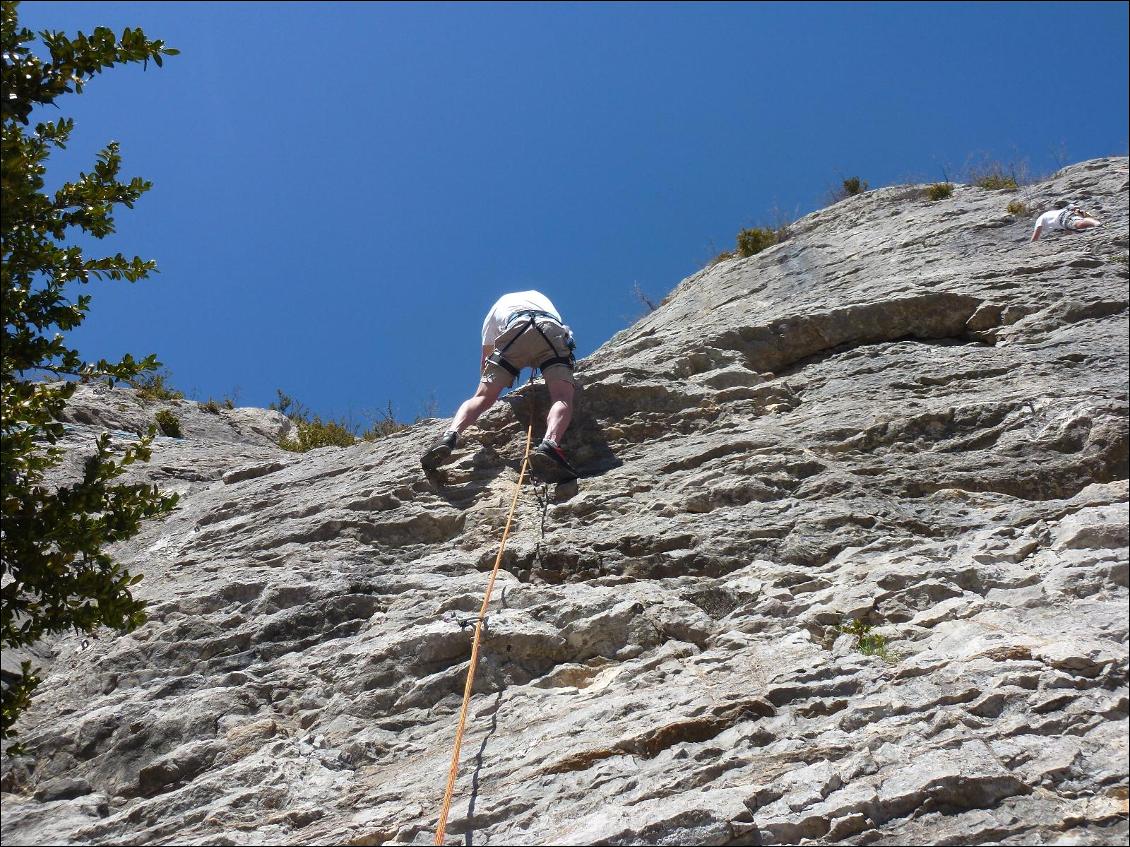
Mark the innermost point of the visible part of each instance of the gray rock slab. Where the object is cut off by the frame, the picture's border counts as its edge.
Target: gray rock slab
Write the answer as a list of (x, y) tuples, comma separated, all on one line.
[(905, 416)]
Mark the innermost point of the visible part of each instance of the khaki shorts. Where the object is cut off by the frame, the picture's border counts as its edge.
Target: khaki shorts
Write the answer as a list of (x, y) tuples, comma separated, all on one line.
[(528, 349)]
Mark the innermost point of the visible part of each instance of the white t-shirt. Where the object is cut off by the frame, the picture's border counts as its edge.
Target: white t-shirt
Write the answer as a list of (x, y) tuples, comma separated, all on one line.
[(1053, 219), (508, 304)]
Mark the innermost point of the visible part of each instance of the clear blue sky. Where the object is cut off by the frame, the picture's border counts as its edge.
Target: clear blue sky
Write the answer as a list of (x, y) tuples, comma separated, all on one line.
[(341, 190)]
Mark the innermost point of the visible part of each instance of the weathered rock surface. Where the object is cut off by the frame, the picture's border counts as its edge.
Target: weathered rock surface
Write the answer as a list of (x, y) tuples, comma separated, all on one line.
[(906, 415), (127, 412)]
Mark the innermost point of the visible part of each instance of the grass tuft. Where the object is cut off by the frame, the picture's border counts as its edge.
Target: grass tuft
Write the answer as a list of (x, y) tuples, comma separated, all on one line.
[(939, 191), (866, 642), (168, 423)]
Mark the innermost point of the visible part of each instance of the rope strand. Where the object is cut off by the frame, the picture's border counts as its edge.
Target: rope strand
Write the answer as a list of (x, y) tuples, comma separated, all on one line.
[(454, 770)]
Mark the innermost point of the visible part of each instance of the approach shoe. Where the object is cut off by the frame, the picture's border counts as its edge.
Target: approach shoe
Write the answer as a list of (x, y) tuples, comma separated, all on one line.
[(549, 463), (440, 452)]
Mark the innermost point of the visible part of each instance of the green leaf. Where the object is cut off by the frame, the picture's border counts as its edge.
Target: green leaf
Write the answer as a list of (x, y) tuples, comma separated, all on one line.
[(58, 573)]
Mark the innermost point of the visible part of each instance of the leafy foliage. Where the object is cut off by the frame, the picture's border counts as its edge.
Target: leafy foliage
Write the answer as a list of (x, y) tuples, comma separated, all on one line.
[(939, 191), (850, 187), (996, 182), (56, 573), (866, 642), (995, 175), (385, 424), (154, 385), (168, 423), (288, 406), (1016, 207), (754, 240), (313, 432)]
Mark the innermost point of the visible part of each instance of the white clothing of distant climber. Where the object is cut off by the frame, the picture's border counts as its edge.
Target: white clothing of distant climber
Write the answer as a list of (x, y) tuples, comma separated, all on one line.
[(1071, 219)]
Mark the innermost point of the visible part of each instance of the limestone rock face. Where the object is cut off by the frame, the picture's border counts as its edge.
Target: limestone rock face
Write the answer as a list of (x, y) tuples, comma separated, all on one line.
[(906, 416), (127, 412)]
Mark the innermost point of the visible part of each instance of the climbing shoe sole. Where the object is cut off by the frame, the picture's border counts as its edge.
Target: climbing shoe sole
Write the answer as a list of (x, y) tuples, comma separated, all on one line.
[(547, 468), (436, 456)]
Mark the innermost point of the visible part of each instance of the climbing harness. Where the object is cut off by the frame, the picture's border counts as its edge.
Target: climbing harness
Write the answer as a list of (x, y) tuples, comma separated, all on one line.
[(1064, 219), (454, 770), (497, 357)]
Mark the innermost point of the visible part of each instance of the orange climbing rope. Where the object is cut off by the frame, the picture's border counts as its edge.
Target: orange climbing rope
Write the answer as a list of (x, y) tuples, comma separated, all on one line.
[(454, 771)]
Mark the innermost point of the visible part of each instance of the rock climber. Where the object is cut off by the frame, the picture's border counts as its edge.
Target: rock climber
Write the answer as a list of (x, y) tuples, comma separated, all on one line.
[(1071, 219), (522, 330)]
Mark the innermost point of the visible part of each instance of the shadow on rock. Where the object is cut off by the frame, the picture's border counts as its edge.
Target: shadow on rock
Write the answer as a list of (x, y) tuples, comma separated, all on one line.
[(584, 443), (470, 836), (462, 481)]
